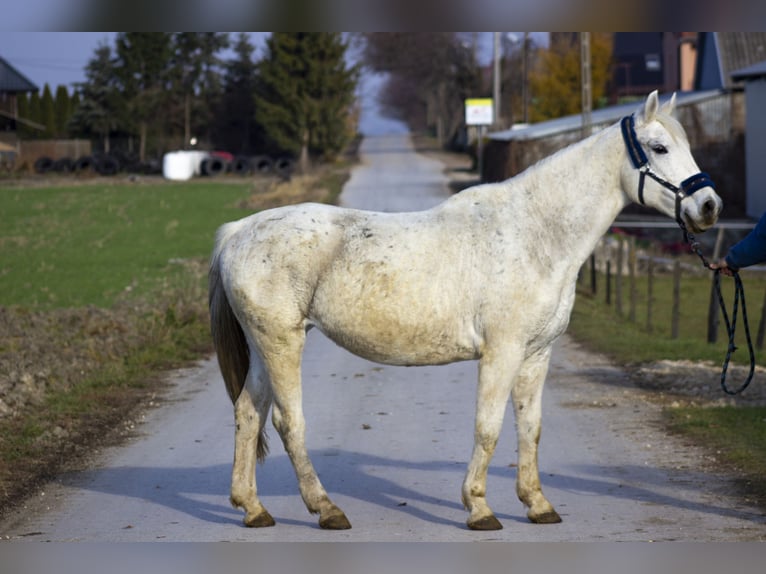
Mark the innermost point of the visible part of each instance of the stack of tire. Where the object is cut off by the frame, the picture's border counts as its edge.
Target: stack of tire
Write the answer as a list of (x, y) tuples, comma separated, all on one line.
[(102, 164), (183, 165)]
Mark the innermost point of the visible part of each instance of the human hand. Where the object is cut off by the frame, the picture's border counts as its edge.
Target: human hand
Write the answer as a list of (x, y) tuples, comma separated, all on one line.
[(723, 267)]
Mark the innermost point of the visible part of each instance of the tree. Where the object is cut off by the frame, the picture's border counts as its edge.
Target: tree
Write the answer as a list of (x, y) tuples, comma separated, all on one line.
[(430, 76), (63, 110), (555, 84), (99, 109), (236, 129), (305, 94), (48, 113), (194, 73), (141, 67)]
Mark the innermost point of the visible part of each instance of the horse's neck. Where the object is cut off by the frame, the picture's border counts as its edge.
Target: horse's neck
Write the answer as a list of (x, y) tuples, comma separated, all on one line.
[(573, 197)]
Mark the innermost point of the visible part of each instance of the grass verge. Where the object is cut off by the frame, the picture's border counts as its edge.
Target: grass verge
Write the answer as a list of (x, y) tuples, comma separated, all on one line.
[(735, 436), (102, 289)]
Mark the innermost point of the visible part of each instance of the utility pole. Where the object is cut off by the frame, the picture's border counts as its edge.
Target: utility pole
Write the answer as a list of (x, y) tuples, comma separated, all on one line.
[(496, 78), (587, 97)]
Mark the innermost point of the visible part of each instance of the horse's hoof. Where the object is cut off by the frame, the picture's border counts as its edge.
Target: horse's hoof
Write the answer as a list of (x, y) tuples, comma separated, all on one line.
[(486, 523), (551, 517), (335, 521), (259, 521)]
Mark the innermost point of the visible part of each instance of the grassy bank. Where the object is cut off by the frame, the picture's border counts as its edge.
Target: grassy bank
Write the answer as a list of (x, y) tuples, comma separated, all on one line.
[(102, 288)]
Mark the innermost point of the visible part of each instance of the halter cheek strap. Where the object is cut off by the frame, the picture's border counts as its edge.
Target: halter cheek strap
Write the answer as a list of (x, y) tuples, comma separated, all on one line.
[(641, 162)]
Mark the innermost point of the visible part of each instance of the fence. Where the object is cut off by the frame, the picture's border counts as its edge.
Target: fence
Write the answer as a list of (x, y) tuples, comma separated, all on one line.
[(618, 261)]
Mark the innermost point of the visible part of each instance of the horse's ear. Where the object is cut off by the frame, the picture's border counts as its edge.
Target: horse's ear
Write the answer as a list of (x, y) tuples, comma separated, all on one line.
[(651, 107), (669, 106)]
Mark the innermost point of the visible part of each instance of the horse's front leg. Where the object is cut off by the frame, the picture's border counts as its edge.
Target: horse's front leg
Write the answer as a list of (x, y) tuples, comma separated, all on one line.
[(527, 403), (497, 372)]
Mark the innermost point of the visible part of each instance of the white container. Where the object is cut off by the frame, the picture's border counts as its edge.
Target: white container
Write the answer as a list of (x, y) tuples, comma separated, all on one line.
[(182, 165)]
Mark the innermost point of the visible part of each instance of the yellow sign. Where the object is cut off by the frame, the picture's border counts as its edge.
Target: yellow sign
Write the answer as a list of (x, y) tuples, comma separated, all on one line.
[(479, 112)]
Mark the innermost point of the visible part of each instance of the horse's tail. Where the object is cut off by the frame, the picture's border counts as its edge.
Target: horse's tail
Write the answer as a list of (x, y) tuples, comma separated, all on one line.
[(228, 337)]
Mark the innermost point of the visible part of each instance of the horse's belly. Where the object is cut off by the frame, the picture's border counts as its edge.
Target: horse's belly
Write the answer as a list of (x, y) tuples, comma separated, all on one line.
[(389, 345), (411, 331)]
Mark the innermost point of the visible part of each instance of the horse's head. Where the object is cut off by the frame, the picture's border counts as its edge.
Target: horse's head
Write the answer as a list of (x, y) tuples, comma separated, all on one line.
[(660, 170)]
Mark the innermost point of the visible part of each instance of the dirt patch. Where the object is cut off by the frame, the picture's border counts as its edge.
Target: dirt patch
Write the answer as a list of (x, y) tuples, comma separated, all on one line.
[(691, 383)]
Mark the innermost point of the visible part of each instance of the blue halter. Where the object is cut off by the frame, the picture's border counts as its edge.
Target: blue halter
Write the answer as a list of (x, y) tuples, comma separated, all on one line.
[(641, 162)]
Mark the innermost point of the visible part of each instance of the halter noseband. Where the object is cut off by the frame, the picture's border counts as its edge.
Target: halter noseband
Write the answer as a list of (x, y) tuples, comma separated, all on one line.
[(641, 162)]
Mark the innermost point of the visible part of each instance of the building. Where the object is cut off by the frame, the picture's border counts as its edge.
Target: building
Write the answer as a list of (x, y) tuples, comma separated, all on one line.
[(754, 79), (12, 83)]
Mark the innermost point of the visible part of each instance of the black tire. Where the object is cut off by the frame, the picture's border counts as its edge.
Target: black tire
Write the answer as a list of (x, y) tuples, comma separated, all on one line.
[(84, 164), (284, 166), (107, 165), (213, 166), (63, 165), (241, 165), (43, 164), (262, 164)]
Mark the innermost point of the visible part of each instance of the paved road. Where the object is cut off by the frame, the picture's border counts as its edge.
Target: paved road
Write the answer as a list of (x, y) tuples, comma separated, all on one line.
[(391, 445)]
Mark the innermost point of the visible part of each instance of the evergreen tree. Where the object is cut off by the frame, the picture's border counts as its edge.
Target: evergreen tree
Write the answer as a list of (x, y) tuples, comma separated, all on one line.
[(141, 67), (195, 77), (236, 129), (62, 107), (48, 113), (99, 109), (305, 94)]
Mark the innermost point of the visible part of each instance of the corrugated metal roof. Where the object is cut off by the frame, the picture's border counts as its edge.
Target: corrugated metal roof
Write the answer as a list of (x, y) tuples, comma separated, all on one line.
[(755, 71), (598, 117), (738, 50), (11, 80)]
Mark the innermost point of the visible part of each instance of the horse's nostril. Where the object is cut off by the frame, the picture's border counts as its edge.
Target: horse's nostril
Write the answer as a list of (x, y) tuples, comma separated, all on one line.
[(710, 207)]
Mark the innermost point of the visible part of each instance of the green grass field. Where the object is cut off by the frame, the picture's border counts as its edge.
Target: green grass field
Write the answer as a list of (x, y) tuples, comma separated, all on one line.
[(90, 245)]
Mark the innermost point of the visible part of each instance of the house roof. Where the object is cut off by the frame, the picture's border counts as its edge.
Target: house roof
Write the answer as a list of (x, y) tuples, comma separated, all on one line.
[(751, 72), (11, 80), (726, 52), (598, 117)]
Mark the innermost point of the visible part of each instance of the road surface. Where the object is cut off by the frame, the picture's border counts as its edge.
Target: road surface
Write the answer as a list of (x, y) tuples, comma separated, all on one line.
[(391, 446)]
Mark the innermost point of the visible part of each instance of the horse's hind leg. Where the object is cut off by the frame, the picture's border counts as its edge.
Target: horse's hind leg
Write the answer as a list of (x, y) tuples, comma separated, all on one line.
[(527, 399), (250, 411), (284, 366)]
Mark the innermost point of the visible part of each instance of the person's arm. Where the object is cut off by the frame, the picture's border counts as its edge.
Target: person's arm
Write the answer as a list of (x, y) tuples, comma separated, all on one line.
[(750, 250)]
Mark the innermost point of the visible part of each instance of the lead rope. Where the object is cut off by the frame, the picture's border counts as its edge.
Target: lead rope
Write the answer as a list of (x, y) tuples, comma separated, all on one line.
[(739, 294)]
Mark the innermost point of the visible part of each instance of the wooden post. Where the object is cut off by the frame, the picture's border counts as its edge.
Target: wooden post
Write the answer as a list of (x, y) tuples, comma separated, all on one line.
[(618, 280), (649, 290), (761, 326), (676, 312), (593, 273), (632, 278), (608, 281)]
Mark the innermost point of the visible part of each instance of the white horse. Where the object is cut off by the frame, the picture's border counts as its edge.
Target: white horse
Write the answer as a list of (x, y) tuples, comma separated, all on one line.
[(489, 274)]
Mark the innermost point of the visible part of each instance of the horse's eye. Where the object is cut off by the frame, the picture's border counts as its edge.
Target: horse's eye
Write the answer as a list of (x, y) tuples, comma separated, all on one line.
[(659, 148)]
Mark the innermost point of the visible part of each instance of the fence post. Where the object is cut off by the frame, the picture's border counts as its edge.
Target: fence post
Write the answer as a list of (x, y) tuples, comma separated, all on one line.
[(649, 290), (593, 273), (618, 279), (761, 326), (632, 278), (676, 312), (608, 281)]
